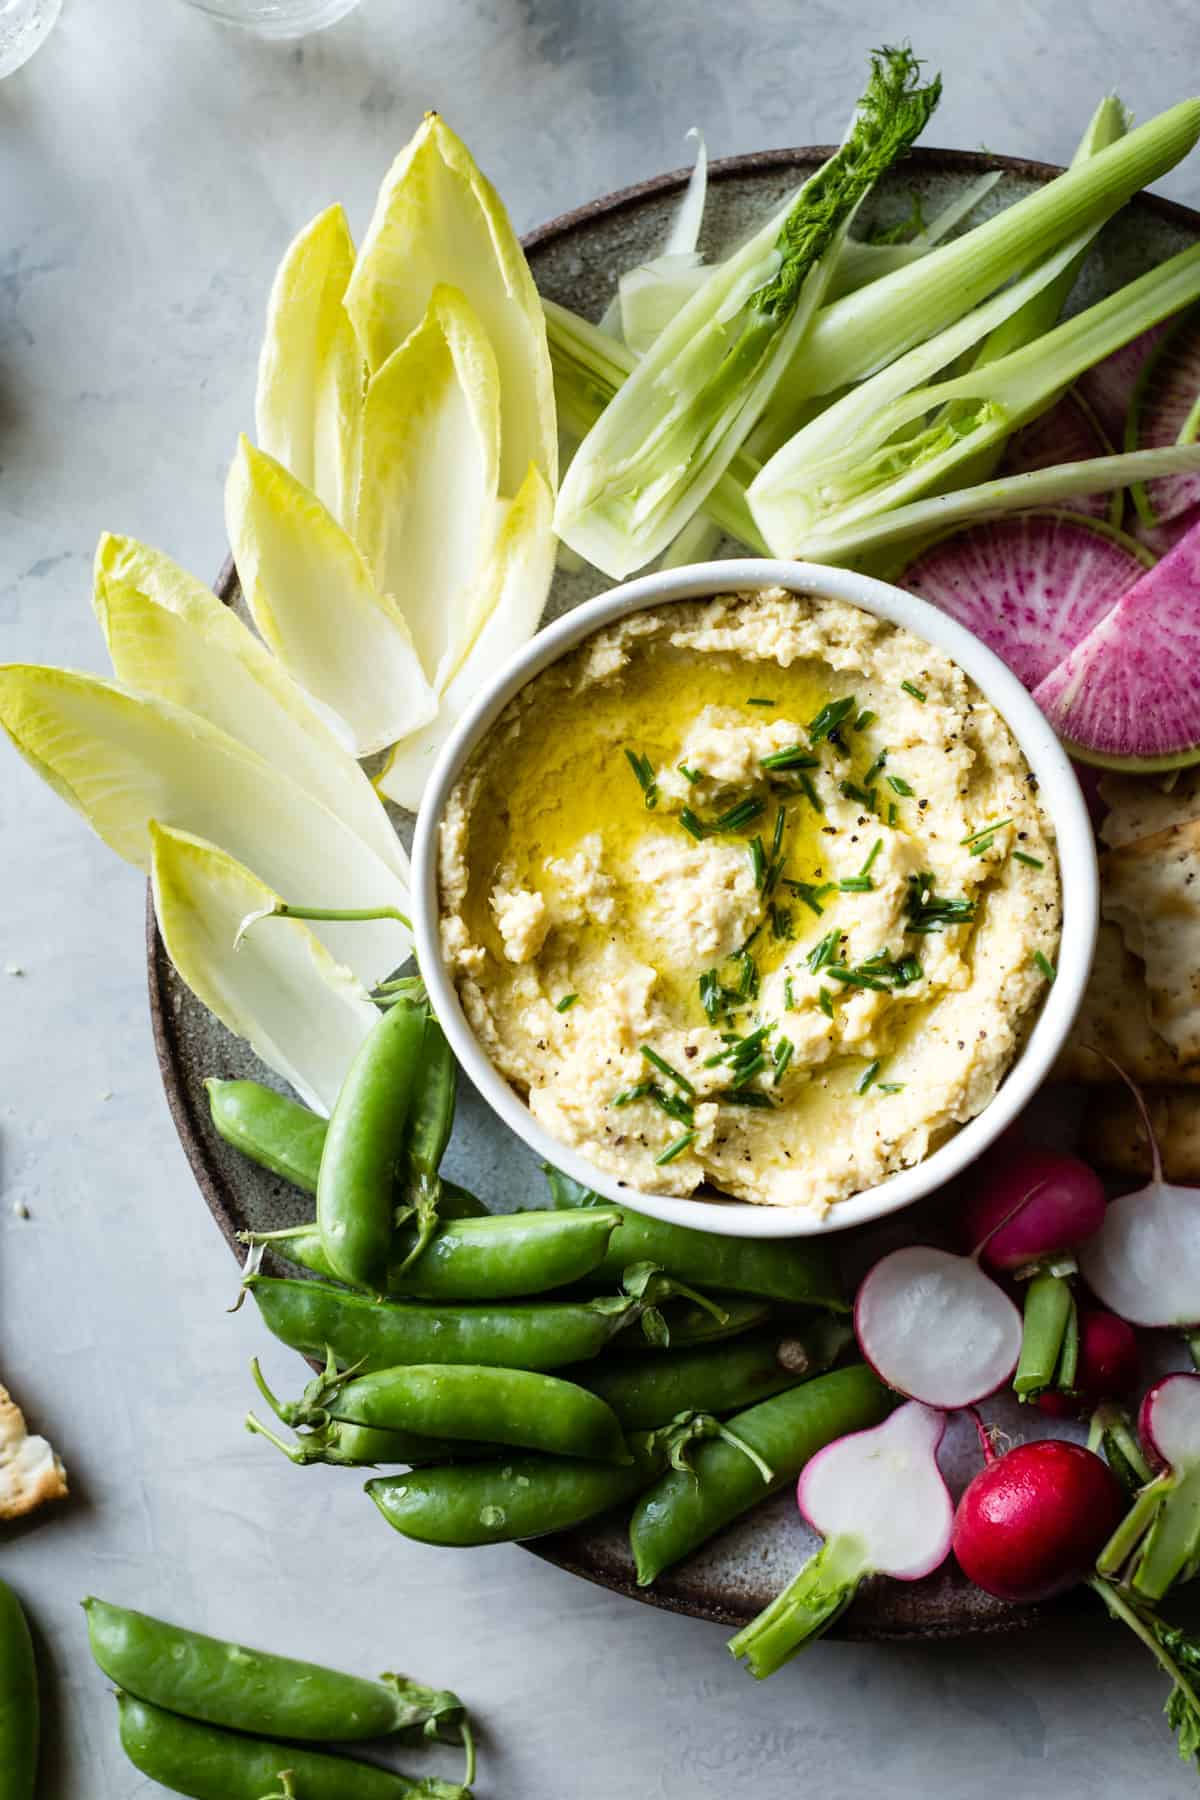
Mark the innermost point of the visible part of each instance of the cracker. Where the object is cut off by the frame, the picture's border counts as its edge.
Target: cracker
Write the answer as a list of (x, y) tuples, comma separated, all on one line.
[(1115, 1018), (30, 1472), (1151, 890), (1115, 1137), (1140, 805)]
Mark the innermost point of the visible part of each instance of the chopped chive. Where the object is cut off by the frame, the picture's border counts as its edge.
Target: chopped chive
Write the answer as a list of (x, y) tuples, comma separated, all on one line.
[(748, 985), (808, 789), (876, 847), (758, 861), (864, 719), (566, 1003), (676, 1149), (824, 952), (759, 700), (780, 828), (875, 769), (864, 796), (889, 1087), (795, 756), (743, 813), (712, 995), (856, 978), (692, 824), (781, 924), (746, 1097), (643, 769), (984, 831), (867, 1077), (789, 998), (692, 775), (747, 1074), (825, 1001), (811, 896), (927, 911), (831, 715), (910, 687), (664, 1068), (893, 812), (673, 1105), (1031, 862), (784, 1051), (1045, 966), (856, 884), (628, 1095), (899, 786)]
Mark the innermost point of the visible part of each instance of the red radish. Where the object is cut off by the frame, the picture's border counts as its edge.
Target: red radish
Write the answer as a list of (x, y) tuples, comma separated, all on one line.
[(1108, 386), (1031, 585), (1033, 1521), (1108, 1363), (1144, 1262), (1028, 1204), (878, 1499), (1067, 432), (1158, 1542), (1164, 411), (1128, 695), (935, 1327)]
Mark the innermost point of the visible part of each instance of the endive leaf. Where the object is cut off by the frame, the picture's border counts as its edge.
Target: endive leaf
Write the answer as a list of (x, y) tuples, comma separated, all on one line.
[(310, 593), (303, 1013), (169, 635), (428, 499), (438, 219), (121, 759), (310, 371), (521, 570)]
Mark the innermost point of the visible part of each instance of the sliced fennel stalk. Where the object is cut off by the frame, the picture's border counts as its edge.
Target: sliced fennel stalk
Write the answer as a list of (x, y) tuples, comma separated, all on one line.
[(656, 452), (853, 461), (301, 1011)]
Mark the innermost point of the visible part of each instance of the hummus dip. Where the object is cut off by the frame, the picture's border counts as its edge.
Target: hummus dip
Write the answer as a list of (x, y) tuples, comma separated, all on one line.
[(753, 892)]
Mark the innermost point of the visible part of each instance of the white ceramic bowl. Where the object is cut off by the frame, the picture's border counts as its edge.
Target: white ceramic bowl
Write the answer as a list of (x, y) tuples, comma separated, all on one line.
[(1059, 793)]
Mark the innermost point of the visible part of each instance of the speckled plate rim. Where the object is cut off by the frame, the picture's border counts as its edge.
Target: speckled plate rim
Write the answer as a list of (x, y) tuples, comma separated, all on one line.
[(571, 1553)]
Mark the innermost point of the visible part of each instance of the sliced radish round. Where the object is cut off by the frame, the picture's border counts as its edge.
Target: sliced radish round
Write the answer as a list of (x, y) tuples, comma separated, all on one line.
[(884, 1488), (1128, 695), (1066, 432), (936, 1328), (1030, 585), (1108, 386), (1169, 1422), (1162, 412)]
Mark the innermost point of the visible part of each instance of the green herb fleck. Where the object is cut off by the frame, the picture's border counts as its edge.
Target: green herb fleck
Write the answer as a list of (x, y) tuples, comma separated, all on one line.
[(781, 923), (825, 723), (760, 700), (985, 831), (1045, 966), (746, 1097), (863, 720), (676, 1149), (784, 1051), (789, 998), (1031, 862), (889, 1087), (664, 1068), (758, 861), (862, 796), (566, 1003), (910, 687), (927, 911), (893, 812), (639, 1091), (808, 789), (810, 894), (825, 1001), (643, 768), (876, 847), (899, 786), (795, 756), (824, 952), (875, 769), (692, 775), (867, 1077)]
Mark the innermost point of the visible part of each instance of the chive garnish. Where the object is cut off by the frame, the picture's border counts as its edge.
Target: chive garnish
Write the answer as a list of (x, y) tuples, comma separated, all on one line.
[(664, 1068), (893, 812), (747, 987), (864, 796), (825, 1001), (1045, 966), (781, 923), (690, 823), (692, 775), (876, 847), (808, 789), (627, 1096), (811, 896), (899, 786), (784, 1051), (747, 1074), (973, 837), (831, 715), (875, 769), (927, 911), (643, 769), (759, 700), (673, 1105), (856, 884), (889, 1087), (712, 995), (738, 816), (780, 827), (856, 977), (867, 1077), (758, 861), (824, 952), (566, 1003), (789, 998), (794, 757), (864, 719), (746, 1097), (910, 687), (1031, 862), (676, 1149)]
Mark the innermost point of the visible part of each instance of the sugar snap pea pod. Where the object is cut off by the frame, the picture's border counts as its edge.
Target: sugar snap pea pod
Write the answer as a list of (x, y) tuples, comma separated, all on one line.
[(802, 1271), (225, 1684), (344, 1445), (430, 1122), (530, 1496), (210, 1763), (689, 1325), (506, 1256), (380, 1334), (680, 1512), (459, 1400), (19, 1708), (646, 1391)]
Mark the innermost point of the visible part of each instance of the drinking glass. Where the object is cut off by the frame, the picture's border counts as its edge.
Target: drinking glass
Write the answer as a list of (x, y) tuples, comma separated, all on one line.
[(277, 18), (24, 24)]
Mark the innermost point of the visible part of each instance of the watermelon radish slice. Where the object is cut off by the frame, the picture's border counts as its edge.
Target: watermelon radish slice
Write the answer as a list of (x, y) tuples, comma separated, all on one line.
[(1165, 409), (1128, 695), (1159, 539), (1108, 386), (1067, 432), (1031, 585)]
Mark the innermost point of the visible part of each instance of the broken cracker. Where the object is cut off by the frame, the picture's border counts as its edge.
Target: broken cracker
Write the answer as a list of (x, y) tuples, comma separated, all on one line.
[(30, 1472), (1115, 1019), (1151, 890), (1141, 805), (1114, 1135)]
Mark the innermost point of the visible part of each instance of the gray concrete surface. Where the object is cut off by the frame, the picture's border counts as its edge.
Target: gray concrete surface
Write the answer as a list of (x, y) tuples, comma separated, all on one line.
[(152, 166)]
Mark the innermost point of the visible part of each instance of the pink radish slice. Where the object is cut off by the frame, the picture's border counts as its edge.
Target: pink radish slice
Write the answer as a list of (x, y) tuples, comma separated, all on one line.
[(1067, 432), (1163, 403), (884, 1487), (936, 1328), (1027, 1204), (1031, 585), (1128, 694), (1169, 1422), (1108, 387)]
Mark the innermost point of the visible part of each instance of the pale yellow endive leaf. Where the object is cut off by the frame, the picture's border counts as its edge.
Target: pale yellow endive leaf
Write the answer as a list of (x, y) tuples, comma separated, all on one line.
[(310, 593), (310, 371), (168, 635), (122, 759), (438, 219), (428, 502), (302, 1012)]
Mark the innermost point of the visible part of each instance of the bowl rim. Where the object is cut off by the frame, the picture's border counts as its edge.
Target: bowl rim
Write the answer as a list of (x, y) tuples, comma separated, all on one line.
[(1059, 791)]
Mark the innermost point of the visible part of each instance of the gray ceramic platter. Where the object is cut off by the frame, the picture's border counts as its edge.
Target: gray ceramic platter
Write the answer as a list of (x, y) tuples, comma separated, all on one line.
[(576, 260)]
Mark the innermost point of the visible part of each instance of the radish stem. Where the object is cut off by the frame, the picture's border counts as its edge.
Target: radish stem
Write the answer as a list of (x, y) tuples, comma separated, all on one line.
[(808, 1606), (1048, 1310), (1173, 1541)]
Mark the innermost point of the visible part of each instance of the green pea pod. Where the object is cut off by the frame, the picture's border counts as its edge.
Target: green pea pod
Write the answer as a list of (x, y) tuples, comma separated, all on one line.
[(224, 1684), (210, 1763), (364, 1148), (505, 1256), (454, 1400), (681, 1511), (689, 1325), (19, 1708), (430, 1123), (344, 1445), (647, 1391), (369, 1334), (801, 1271)]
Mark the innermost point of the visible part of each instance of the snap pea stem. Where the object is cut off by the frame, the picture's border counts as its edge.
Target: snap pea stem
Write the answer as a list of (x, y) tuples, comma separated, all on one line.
[(282, 909)]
